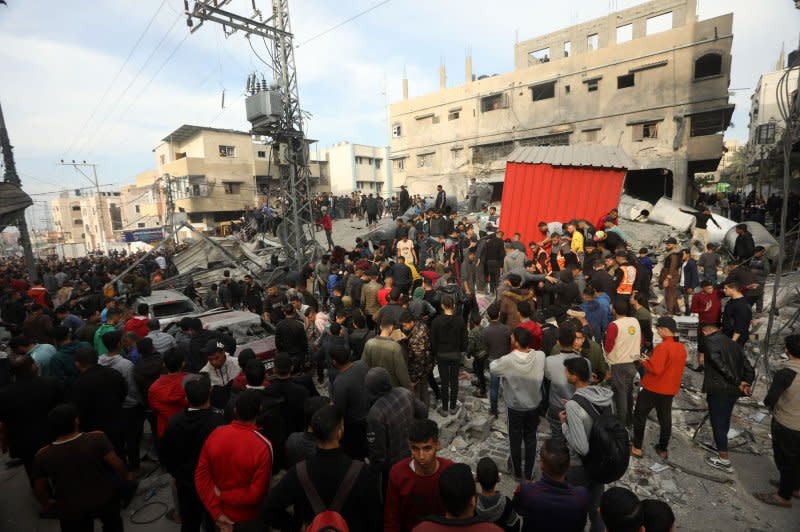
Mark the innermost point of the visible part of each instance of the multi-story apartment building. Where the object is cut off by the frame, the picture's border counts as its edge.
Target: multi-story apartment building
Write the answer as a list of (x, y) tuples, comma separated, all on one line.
[(652, 79), (766, 124), (216, 174), (357, 167), (85, 216), (142, 202)]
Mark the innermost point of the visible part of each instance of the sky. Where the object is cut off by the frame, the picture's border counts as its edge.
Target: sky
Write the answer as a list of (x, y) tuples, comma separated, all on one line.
[(106, 83)]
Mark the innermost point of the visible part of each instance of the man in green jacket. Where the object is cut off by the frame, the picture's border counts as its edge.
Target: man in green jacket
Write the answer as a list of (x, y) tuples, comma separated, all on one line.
[(112, 319)]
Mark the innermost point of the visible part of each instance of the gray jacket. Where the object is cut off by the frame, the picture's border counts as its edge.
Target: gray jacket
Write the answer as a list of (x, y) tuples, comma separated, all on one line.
[(579, 423), (125, 368), (560, 389)]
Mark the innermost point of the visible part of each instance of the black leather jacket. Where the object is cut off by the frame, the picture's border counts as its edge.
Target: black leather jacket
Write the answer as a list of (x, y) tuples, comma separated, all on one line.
[(726, 365)]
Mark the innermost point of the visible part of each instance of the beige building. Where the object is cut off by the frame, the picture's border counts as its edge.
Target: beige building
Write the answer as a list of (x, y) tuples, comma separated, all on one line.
[(357, 167), (652, 79), (84, 216), (216, 174), (142, 202)]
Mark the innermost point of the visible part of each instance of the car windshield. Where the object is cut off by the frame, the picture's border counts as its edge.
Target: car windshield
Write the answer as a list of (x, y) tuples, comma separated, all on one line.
[(244, 332), (171, 308)]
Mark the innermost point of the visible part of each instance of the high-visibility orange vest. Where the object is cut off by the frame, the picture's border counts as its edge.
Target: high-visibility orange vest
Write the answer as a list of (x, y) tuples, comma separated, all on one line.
[(628, 278)]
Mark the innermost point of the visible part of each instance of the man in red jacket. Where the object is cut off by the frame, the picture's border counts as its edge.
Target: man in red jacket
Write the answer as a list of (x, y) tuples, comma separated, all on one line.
[(659, 385), (707, 303), (166, 395), (413, 492), (138, 323), (232, 476)]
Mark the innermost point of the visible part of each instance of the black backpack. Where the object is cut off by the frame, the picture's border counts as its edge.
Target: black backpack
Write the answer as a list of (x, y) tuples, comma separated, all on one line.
[(609, 444)]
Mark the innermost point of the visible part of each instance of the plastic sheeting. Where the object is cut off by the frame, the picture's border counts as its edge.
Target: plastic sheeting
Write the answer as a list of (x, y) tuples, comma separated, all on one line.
[(761, 237), (667, 212), (631, 208)]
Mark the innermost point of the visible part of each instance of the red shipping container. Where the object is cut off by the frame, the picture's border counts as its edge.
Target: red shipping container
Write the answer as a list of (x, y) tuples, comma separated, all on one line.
[(539, 191)]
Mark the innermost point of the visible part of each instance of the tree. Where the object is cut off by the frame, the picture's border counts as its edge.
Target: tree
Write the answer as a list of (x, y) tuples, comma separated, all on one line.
[(735, 173)]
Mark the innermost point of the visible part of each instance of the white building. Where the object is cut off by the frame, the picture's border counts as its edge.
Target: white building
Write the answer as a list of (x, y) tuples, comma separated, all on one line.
[(358, 167)]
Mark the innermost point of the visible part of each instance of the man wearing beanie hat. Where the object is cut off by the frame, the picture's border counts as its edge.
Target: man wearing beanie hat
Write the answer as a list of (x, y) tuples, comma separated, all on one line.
[(659, 385)]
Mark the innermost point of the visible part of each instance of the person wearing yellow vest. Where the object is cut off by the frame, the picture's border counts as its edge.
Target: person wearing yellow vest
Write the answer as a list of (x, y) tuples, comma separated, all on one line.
[(623, 346), (624, 276)]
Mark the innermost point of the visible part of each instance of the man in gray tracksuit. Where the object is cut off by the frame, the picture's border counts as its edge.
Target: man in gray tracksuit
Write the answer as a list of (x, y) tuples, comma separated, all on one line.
[(577, 426)]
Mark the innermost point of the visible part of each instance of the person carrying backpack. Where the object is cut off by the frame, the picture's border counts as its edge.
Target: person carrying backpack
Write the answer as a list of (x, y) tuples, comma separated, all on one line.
[(597, 438), (329, 491)]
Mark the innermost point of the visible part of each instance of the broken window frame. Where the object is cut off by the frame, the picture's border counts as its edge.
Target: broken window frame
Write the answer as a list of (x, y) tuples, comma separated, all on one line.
[(231, 187), (546, 91), (708, 123), (494, 102), (626, 81), (624, 33), (592, 42), (645, 131), (708, 66), (425, 160)]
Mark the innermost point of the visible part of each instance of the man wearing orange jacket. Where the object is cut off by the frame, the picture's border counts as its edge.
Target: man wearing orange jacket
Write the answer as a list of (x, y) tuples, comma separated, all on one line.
[(662, 380), (232, 476)]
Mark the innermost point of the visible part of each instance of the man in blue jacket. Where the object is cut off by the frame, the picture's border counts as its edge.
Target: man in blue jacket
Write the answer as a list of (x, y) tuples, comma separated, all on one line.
[(690, 279)]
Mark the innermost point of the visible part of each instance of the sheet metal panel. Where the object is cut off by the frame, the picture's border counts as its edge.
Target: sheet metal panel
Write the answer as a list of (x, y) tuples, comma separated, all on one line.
[(543, 192)]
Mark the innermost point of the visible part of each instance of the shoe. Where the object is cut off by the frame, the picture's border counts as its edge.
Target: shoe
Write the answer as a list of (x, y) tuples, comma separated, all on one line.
[(777, 484), (661, 452), (479, 394), (442, 411), (719, 463), (773, 498), (494, 413), (453, 411)]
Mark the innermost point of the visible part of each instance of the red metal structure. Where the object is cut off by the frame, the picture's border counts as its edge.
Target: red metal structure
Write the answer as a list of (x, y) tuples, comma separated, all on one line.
[(559, 183)]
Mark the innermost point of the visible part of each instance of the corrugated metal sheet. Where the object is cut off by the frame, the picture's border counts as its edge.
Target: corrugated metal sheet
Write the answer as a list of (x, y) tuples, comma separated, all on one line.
[(556, 192), (596, 155)]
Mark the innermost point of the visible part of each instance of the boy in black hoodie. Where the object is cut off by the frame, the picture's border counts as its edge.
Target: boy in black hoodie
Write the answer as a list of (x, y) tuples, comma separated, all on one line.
[(493, 506)]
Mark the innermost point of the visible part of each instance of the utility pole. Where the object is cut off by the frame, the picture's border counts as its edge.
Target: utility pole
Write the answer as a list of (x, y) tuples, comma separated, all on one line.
[(101, 211), (11, 176), (274, 111)]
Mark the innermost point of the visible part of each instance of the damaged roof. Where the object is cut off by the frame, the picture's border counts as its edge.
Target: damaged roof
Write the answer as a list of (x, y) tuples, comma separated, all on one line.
[(594, 155)]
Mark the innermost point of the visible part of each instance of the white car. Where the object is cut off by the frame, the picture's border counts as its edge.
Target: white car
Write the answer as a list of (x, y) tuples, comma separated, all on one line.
[(167, 306)]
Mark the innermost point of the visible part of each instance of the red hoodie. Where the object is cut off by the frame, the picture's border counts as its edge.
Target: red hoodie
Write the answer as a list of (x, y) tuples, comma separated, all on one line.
[(138, 324), (237, 460), (167, 397), (536, 333)]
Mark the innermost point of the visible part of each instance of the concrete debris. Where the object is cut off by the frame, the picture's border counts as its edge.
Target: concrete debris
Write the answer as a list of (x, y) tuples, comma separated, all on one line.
[(668, 212), (631, 208)]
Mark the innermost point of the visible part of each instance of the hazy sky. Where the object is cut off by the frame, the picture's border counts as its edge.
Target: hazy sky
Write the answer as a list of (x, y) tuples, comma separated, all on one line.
[(58, 60)]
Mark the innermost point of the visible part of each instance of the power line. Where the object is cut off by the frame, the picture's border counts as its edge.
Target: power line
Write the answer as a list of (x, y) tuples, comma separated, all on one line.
[(147, 85), (121, 68), (127, 88), (339, 25)]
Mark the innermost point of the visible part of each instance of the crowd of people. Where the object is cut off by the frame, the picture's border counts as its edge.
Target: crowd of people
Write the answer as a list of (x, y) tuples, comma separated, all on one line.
[(342, 431)]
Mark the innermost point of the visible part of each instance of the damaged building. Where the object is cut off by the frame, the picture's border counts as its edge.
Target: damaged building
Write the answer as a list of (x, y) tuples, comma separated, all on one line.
[(652, 80)]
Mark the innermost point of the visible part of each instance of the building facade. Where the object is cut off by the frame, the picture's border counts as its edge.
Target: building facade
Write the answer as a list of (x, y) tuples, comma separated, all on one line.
[(766, 124), (357, 167), (652, 79), (142, 203), (89, 217)]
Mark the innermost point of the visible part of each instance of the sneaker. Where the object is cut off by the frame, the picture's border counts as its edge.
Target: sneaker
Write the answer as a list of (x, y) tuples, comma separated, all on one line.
[(453, 411), (479, 394), (719, 463), (442, 411)]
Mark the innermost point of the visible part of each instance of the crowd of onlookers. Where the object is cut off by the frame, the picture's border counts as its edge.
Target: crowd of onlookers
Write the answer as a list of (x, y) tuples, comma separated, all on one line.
[(371, 344)]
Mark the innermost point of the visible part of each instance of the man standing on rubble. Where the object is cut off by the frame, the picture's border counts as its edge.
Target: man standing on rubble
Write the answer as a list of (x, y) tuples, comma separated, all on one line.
[(702, 217), (744, 247), (669, 278), (728, 375), (737, 315)]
